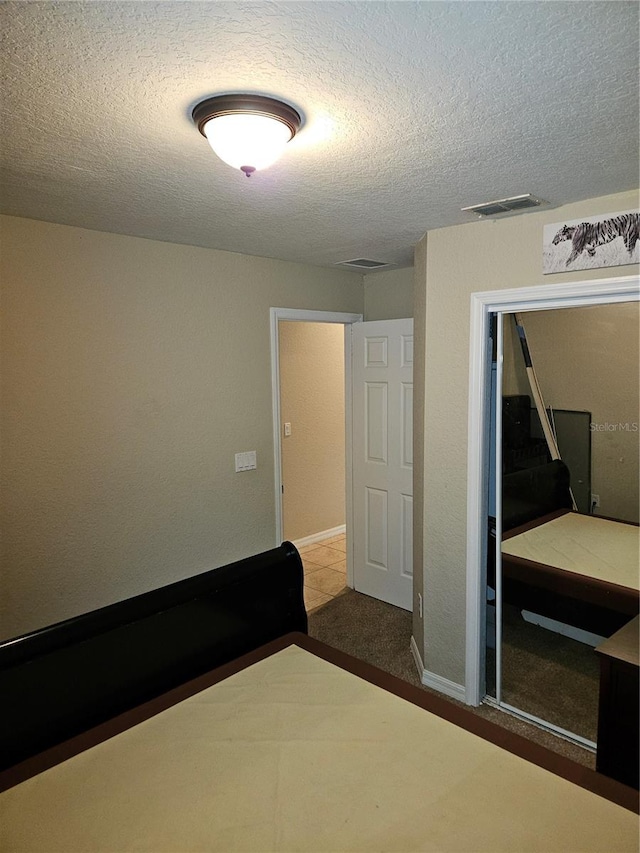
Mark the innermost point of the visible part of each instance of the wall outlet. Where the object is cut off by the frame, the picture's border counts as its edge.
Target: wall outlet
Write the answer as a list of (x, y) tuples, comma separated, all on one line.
[(595, 501)]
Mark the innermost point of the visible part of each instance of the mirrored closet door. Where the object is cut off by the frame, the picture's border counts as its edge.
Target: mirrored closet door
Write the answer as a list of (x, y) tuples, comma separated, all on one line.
[(562, 569)]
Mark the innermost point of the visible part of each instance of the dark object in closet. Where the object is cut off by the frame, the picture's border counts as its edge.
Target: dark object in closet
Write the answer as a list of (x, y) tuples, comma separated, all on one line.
[(520, 449), (618, 742), (526, 495), (533, 492), (68, 677)]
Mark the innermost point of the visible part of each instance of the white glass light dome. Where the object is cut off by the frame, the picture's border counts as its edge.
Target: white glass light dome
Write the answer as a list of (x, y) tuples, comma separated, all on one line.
[(249, 132), (253, 141)]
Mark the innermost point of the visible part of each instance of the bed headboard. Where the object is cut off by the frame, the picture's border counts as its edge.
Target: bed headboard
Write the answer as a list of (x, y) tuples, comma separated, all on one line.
[(68, 677), (534, 492)]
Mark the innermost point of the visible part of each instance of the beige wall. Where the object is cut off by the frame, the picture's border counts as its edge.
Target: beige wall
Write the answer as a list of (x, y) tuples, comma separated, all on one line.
[(588, 359), (312, 385), (461, 260), (388, 294), (132, 372)]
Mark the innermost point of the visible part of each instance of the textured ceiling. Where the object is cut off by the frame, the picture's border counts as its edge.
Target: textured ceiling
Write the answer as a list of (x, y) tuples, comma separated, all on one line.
[(412, 111)]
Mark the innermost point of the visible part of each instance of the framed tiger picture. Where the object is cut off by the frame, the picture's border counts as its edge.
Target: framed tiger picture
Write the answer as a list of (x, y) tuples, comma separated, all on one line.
[(609, 240)]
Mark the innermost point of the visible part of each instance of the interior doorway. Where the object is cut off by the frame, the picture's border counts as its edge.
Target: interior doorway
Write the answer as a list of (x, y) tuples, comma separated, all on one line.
[(378, 395), (312, 410), (311, 355)]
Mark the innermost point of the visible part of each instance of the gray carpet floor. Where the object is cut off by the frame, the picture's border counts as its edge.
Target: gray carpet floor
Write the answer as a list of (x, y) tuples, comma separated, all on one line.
[(380, 634), (550, 676)]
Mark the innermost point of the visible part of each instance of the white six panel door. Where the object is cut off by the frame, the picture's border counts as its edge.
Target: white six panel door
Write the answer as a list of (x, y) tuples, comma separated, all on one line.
[(382, 367)]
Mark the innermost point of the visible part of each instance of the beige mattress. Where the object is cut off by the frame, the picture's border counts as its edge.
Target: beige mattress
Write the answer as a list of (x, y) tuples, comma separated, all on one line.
[(584, 544), (296, 754)]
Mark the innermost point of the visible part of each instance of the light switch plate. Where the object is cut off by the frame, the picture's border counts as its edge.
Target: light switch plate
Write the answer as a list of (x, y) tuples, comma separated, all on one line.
[(246, 461)]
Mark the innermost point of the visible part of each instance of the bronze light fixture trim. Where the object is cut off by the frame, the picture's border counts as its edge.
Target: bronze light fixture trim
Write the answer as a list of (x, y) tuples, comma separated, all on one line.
[(246, 131)]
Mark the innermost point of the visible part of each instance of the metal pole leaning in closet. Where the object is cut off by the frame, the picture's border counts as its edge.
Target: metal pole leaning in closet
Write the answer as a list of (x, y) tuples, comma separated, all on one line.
[(547, 429)]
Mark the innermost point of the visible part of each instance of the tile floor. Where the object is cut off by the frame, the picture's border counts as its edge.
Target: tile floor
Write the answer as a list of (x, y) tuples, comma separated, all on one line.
[(325, 571)]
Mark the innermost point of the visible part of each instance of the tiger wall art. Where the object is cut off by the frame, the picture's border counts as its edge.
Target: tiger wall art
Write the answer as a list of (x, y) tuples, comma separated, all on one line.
[(601, 241)]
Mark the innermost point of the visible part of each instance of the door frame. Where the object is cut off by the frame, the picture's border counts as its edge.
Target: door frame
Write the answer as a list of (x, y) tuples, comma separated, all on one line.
[(483, 305), (309, 316)]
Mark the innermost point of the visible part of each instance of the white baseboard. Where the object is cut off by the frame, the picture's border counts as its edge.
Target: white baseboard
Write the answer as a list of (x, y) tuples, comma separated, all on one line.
[(320, 537), (443, 685), (436, 682)]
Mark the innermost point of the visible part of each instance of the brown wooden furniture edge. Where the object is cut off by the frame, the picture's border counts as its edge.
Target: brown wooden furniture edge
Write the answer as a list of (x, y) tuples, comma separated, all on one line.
[(560, 580), (608, 648), (536, 522), (617, 520), (516, 744), (557, 513), (591, 590)]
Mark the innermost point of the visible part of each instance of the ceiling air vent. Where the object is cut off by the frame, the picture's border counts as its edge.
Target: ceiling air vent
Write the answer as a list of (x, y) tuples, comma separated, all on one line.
[(502, 206), (363, 264)]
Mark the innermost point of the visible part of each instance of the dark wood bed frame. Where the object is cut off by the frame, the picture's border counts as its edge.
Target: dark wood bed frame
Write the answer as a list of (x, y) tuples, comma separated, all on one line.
[(602, 608), (73, 685), (69, 677), (588, 603), (532, 497), (433, 703)]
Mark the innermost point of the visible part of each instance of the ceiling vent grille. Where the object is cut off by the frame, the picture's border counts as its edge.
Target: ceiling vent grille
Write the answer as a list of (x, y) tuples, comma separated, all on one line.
[(363, 264), (514, 204)]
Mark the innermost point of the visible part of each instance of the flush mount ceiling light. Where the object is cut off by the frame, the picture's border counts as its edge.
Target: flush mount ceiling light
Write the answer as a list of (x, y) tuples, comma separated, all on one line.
[(249, 132)]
